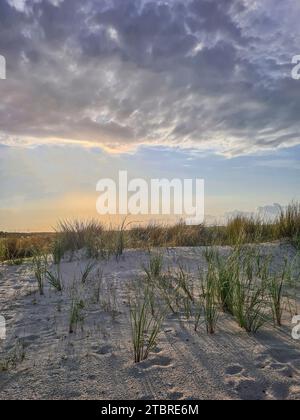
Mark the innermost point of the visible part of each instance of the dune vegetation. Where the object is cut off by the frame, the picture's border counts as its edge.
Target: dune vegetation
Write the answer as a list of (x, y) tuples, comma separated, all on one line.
[(152, 294), (100, 241)]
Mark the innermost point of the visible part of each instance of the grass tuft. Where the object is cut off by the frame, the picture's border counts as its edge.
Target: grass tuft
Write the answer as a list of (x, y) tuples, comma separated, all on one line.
[(55, 279), (85, 274), (76, 314), (40, 264), (145, 325), (209, 300)]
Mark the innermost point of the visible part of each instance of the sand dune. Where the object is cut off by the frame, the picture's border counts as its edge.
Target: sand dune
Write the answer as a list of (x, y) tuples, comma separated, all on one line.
[(96, 362)]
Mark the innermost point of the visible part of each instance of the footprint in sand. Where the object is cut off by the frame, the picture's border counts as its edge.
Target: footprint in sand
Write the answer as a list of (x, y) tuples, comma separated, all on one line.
[(248, 389), (175, 396), (158, 361), (282, 356), (279, 391), (28, 340), (234, 370), (145, 397), (284, 370), (162, 361), (157, 350), (104, 350)]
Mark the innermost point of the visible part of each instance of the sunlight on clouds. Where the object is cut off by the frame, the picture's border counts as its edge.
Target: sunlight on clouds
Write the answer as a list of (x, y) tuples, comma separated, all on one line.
[(18, 4), (162, 88), (207, 75)]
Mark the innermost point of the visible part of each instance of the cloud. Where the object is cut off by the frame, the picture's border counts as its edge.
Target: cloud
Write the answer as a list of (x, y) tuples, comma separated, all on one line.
[(268, 213), (122, 73)]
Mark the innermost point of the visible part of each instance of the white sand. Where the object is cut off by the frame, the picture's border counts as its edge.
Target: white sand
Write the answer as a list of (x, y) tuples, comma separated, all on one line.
[(96, 362)]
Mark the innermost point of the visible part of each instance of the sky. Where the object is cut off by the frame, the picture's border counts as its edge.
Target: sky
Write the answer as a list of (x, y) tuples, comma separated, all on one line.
[(173, 88)]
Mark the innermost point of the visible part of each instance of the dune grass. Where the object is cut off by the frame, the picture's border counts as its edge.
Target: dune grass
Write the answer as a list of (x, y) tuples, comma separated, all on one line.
[(13, 357), (76, 235), (225, 273), (276, 294), (154, 269), (239, 283), (87, 271), (145, 325), (91, 236), (250, 305), (209, 300), (55, 278), (57, 251), (17, 247), (247, 288), (76, 314), (101, 242), (40, 264), (288, 223), (277, 287)]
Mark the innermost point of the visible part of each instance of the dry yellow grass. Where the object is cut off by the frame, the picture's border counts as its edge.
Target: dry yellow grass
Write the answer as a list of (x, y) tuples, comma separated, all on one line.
[(100, 241)]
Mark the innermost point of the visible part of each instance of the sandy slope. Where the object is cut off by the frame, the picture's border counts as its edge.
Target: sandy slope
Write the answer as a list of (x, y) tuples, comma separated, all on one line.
[(96, 362)]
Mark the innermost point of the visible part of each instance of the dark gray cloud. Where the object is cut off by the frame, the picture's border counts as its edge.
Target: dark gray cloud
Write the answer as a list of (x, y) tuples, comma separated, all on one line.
[(119, 73), (267, 213)]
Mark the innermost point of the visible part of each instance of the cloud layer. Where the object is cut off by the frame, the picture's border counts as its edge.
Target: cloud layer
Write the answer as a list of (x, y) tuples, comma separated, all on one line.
[(205, 74)]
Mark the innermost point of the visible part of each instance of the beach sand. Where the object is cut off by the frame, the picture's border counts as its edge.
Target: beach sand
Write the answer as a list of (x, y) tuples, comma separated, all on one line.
[(96, 362)]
